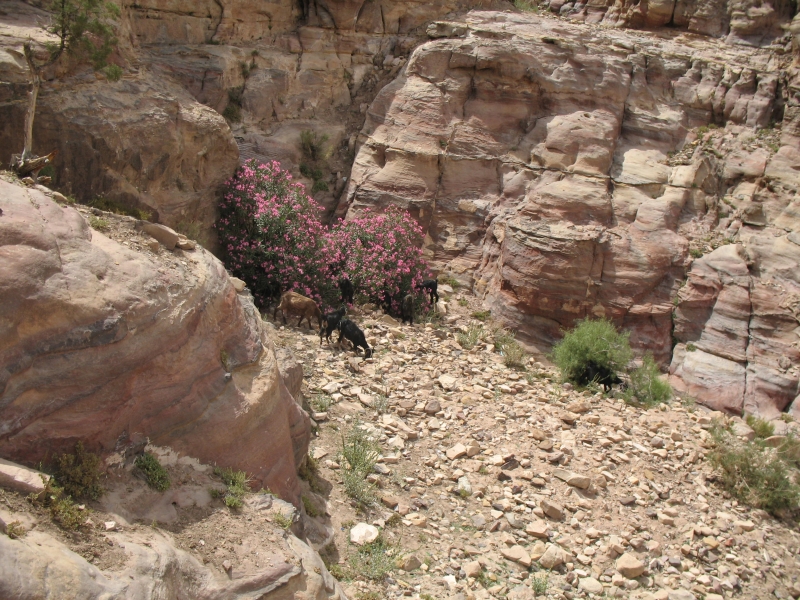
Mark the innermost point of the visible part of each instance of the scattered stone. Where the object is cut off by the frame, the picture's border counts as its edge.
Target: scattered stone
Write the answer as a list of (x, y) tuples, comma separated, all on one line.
[(363, 533), (472, 568), (553, 556), (517, 554), (629, 566), (410, 563), (590, 585), (432, 407), (552, 510), (22, 479), (456, 451)]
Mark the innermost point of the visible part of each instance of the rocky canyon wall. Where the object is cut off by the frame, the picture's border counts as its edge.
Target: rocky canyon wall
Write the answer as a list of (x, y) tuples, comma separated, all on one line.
[(107, 340), (567, 170), (142, 142)]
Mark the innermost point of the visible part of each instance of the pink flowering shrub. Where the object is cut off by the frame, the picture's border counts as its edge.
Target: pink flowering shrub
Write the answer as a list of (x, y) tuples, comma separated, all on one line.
[(381, 253), (272, 238), (270, 233)]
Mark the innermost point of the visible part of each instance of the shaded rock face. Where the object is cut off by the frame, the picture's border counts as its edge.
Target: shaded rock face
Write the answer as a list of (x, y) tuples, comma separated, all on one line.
[(101, 343), (541, 159), (748, 22), (311, 65), (143, 141)]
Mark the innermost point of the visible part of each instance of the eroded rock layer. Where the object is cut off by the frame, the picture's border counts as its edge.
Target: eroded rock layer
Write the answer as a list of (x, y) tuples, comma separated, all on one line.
[(565, 171), (108, 344)]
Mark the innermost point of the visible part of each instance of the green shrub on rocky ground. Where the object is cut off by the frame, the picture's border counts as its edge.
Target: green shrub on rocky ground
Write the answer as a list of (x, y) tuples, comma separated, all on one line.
[(154, 474), (79, 474), (646, 384), (755, 474), (236, 486), (359, 454), (592, 341)]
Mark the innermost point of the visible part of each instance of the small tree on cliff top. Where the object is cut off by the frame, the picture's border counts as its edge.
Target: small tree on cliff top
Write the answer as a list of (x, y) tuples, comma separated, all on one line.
[(82, 28)]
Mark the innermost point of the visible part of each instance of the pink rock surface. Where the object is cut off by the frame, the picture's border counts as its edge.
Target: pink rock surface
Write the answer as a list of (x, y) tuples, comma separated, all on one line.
[(105, 344)]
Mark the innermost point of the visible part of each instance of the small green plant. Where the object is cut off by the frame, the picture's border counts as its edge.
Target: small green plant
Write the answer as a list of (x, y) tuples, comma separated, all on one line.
[(15, 530), (113, 72), (191, 229), (481, 315), (380, 404), (754, 474), (338, 572), (591, 342), (236, 484), (539, 584), (154, 473), (66, 513), (370, 596), (690, 347), (308, 504), (374, 560), (505, 343), (233, 113), (448, 279), (695, 252), (224, 358), (319, 186), (79, 473), (358, 457), (394, 520), (464, 493), (281, 520), (463, 302), (763, 429), (443, 143), (98, 223), (313, 145), (646, 384), (469, 339), (112, 206), (321, 402), (527, 5)]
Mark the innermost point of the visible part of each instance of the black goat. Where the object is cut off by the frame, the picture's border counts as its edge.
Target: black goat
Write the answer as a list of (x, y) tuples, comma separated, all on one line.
[(407, 309), (599, 374), (330, 322), (350, 331), (346, 288), (431, 287)]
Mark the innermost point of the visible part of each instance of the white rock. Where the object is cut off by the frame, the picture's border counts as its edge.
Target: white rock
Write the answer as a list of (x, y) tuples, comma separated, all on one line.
[(363, 533)]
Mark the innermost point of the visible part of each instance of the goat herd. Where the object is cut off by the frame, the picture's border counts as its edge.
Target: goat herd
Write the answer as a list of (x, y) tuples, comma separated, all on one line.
[(292, 303)]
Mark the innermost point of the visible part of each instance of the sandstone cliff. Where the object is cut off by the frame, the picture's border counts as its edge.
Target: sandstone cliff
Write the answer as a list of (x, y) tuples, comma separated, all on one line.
[(142, 142), (109, 340), (565, 170)]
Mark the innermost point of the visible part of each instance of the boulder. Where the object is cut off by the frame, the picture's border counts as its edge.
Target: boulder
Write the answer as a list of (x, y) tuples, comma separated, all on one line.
[(134, 346)]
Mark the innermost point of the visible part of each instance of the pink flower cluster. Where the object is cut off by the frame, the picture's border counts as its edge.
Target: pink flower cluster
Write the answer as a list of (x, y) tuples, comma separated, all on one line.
[(272, 238)]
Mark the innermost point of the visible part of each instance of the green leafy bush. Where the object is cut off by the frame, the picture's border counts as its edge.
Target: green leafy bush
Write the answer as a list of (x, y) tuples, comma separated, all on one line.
[(155, 474), (753, 473), (591, 341), (79, 473), (646, 384)]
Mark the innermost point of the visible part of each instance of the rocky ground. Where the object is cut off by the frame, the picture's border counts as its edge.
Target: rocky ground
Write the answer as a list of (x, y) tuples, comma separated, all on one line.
[(498, 483)]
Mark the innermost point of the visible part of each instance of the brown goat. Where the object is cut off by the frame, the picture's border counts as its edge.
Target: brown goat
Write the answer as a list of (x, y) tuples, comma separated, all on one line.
[(293, 303)]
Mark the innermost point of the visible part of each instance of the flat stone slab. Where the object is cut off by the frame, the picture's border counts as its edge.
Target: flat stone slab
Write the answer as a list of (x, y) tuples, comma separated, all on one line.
[(22, 479)]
